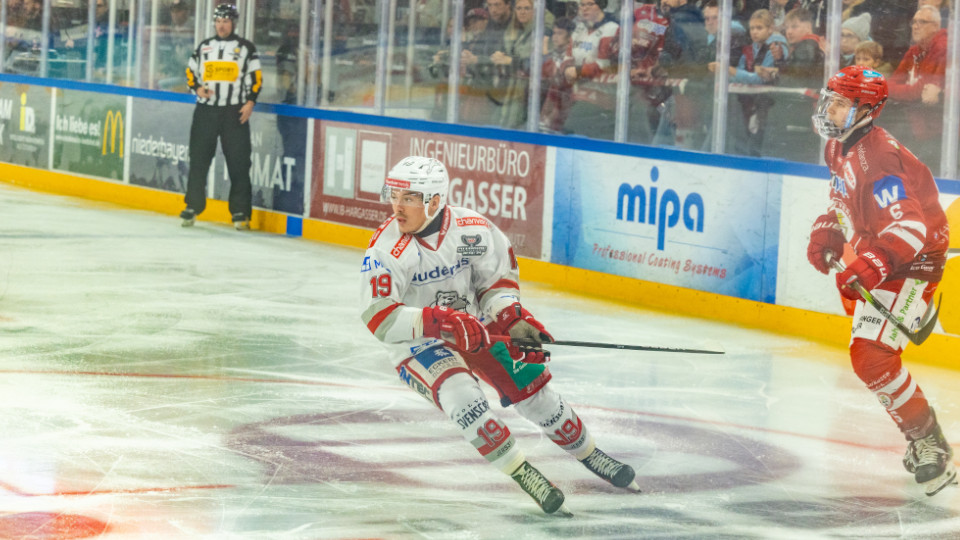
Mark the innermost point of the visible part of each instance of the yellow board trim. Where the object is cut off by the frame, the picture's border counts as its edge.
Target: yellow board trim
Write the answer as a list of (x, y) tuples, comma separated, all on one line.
[(940, 350)]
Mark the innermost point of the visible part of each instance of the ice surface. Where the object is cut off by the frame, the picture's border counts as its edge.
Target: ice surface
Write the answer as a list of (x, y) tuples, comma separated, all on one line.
[(161, 382)]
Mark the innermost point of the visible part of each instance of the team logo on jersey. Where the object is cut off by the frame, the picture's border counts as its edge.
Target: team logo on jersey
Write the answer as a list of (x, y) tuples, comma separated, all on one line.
[(849, 176), (468, 221), (369, 263), (452, 300), (471, 245), (888, 190), (400, 246), (837, 184)]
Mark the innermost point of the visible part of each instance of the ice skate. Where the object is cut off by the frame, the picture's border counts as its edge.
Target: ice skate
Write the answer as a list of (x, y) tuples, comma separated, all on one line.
[(611, 470), (240, 222), (547, 496), (930, 459), (189, 217)]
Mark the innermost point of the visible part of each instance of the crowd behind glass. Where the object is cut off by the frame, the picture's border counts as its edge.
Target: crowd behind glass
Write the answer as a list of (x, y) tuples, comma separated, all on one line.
[(726, 76)]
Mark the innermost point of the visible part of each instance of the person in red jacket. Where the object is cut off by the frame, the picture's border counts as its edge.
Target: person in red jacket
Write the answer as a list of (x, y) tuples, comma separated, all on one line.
[(918, 82), (884, 201)]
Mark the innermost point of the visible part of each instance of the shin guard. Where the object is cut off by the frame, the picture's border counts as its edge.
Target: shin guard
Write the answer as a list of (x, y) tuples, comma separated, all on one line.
[(462, 399), (557, 419), (881, 369)]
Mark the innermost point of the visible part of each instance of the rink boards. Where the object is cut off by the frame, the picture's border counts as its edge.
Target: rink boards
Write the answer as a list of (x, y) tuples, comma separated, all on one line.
[(709, 235)]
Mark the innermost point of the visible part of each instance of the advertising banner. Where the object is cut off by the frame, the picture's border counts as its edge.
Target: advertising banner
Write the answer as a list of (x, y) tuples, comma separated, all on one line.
[(501, 180), (692, 226), (89, 131), (278, 162), (24, 124), (160, 144)]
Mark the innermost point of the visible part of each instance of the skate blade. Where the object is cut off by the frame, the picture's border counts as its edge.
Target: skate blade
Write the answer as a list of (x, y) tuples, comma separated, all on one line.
[(187, 223), (563, 511), (241, 225), (634, 487), (936, 485)]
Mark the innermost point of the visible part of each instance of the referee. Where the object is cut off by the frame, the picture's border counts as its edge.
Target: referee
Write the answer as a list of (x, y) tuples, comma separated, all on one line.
[(224, 71)]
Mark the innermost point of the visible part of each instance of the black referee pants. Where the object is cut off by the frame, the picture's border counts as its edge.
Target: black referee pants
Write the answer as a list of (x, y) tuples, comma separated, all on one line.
[(209, 124)]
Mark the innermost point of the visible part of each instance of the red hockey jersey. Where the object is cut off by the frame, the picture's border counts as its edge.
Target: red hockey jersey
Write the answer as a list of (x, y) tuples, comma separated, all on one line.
[(885, 198)]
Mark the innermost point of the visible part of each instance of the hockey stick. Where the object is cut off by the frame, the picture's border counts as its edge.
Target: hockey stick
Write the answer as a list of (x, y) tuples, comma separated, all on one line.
[(520, 342), (927, 322)]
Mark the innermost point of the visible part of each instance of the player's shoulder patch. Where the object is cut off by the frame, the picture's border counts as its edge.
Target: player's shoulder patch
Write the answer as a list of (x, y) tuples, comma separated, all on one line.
[(888, 190)]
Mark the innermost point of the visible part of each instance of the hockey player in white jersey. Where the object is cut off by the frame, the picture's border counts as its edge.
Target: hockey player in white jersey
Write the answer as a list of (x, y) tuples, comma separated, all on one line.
[(437, 282)]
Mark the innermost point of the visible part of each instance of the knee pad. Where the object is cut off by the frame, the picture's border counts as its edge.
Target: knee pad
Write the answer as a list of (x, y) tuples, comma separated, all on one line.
[(876, 364), (427, 371)]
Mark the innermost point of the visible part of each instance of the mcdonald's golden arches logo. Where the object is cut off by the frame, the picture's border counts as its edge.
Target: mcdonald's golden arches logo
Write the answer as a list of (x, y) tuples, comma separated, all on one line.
[(111, 122)]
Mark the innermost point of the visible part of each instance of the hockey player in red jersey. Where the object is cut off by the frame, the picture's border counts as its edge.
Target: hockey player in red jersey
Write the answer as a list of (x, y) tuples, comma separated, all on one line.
[(884, 201), (437, 282)]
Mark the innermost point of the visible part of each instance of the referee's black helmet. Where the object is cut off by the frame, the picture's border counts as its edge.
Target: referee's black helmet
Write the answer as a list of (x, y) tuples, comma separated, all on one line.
[(226, 11)]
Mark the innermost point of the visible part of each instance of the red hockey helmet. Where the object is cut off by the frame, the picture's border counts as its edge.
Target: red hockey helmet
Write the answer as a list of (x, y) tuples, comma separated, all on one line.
[(857, 86)]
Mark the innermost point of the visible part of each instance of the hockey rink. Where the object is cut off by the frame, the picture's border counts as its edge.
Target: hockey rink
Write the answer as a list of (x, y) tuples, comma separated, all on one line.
[(161, 382)]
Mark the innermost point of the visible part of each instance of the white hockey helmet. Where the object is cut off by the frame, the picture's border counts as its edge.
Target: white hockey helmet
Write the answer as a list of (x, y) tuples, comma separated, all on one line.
[(418, 174)]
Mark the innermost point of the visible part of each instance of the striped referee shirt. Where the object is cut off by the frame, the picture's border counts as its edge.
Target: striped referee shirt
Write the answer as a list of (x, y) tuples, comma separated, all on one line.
[(230, 67)]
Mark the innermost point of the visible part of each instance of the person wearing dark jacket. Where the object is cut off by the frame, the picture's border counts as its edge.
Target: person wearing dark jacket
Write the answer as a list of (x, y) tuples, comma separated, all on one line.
[(685, 37)]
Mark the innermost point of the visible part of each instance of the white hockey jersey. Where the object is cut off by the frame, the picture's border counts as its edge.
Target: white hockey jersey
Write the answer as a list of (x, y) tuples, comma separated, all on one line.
[(468, 265)]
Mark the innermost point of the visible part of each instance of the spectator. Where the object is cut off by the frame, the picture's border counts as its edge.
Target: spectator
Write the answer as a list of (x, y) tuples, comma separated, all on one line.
[(918, 81), (175, 45), (429, 13), (557, 95), (854, 31), (33, 14), (738, 34), (754, 107), (593, 72), (513, 65), (481, 105), (701, 90), (686, 35), (920, 75), (287, 64), (870, 54), (802, 68), (942, 5), (890, 24), (475, 22), (852, 8), (779, 9), (647, 94)]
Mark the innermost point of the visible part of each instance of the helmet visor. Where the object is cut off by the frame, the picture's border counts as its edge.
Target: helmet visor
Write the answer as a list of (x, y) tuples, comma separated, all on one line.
[(397, 192), (835, 114)]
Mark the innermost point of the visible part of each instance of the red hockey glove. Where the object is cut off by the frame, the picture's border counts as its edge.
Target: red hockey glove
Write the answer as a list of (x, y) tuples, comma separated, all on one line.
[(462, 330), (870, 269), (826, 236), (520, 324)]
